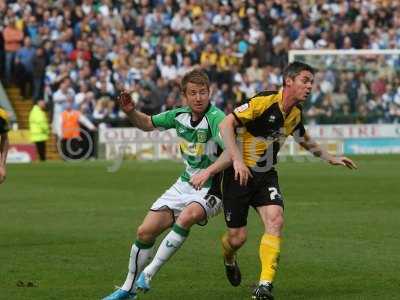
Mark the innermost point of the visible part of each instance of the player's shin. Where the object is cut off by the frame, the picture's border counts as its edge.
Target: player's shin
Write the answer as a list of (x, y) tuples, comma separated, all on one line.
[(171, 243), (139, 257), (227, 250), (269, 255)]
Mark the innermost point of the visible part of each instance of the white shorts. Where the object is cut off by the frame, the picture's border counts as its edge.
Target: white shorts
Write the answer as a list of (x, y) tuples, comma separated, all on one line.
[(181, 194)]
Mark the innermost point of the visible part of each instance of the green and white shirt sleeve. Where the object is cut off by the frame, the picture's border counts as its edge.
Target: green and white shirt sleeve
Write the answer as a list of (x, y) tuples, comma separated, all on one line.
[(215, 117), (166, 120)]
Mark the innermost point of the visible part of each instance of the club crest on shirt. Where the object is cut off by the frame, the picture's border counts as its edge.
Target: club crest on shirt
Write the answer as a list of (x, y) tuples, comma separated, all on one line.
[(201, 136)]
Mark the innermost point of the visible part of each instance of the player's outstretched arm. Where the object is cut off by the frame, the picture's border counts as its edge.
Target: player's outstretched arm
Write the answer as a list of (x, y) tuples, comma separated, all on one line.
[(227, 130), (313, 147), (198, 180), (3, 156), (137, 118), (343, 161)]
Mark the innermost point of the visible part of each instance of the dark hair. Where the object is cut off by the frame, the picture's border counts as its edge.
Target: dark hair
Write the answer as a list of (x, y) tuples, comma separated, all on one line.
[(196, 76), (294, 69)]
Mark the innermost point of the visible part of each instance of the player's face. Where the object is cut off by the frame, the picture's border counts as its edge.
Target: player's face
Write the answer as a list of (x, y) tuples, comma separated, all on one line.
[(302, 85), (197, 97)]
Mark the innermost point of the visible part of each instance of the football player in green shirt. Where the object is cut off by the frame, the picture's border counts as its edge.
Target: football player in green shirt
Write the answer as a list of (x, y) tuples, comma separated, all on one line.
[(182, 205)]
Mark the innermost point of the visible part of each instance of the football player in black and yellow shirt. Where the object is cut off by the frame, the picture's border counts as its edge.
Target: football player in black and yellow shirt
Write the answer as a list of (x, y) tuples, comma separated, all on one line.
[(3, 143), (262, 125)]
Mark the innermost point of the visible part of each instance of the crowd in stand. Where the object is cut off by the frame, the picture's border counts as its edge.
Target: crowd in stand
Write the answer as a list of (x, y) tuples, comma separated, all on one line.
[(87, 51), (356, 88)]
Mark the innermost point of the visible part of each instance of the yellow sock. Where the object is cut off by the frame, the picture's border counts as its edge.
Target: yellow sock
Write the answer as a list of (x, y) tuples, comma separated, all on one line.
[(227, 250), (269, 254)]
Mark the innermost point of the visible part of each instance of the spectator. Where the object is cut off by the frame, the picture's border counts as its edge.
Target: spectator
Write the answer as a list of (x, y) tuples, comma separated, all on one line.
[(39, 69), (150, 97), (303, 42), (222, 18), (254, 72), (181, 21), (60, 97), (12, 43), (71, 135), (168, 69), (39, 128), (101, 111), (24, 66)]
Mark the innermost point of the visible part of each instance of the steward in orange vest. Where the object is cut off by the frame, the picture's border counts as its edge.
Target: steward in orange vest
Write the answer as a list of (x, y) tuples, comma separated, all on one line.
[(71, 141), (70, 124)]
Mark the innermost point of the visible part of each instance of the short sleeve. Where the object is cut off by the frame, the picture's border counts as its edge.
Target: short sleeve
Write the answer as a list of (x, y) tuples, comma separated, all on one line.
[(299, 130), (164, 120), (251, 110), (214, 120)]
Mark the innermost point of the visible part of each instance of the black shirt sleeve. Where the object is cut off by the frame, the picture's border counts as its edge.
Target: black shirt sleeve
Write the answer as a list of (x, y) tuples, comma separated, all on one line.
[(3, 126), (299, 130)]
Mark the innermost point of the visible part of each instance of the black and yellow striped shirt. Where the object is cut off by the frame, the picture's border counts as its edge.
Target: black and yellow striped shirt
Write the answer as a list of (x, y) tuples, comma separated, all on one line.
[(4, 126), (266, 127)]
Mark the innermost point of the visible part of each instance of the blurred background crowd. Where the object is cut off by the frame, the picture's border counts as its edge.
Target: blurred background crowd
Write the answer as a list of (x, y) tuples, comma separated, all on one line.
[(82, 53)]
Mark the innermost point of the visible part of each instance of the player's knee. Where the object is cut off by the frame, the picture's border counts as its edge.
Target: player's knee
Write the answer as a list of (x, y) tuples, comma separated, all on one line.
[(237, 238), (145, 234), (275, 224), (190, 217)]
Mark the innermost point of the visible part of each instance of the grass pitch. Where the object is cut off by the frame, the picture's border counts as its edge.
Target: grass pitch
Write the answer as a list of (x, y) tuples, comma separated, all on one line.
[(66, 231)]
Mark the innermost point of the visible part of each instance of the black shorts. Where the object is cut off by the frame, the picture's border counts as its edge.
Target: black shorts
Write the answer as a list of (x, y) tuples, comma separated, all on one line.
[(262, 189), (215, 189)]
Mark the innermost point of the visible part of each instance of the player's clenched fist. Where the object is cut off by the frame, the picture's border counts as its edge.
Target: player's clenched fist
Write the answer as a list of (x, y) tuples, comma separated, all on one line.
[(125, 102)]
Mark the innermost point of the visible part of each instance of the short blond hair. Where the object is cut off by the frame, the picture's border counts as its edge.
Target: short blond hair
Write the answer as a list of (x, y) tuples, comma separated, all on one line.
[(196, 76)]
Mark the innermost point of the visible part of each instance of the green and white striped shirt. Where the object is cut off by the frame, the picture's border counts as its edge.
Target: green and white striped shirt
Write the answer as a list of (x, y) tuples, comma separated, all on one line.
[(199, 141)]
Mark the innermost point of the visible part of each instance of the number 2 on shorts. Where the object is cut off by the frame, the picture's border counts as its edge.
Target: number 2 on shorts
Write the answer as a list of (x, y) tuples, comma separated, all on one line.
[(273, 193)]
